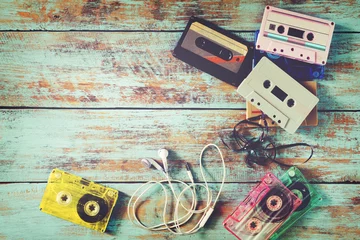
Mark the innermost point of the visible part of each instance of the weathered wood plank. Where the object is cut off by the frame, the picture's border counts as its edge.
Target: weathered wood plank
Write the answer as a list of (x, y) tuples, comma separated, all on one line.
[(161, 15), (107, 145), (137, 70), (336, 218)]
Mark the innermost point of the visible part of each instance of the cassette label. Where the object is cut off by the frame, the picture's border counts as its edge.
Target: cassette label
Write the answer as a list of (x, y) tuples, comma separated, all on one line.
[(298, 184), (78, 200), (263, 211), (295, 35), (278, 95), (215, 51)]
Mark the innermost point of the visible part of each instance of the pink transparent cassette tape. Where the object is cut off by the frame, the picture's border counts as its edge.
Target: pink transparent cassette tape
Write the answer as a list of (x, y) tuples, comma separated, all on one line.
[(295, 35), (263, 211)]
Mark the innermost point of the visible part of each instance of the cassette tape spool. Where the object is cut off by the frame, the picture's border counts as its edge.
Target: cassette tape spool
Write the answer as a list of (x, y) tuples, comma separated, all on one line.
[(300, 71), (278, 95), (295, 35), (78, 200), (215, 51), (263, 211), (298, 184)]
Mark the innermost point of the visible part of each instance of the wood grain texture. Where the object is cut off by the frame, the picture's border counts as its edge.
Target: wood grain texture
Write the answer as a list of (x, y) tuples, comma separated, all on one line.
[(161, 15), (132, 67), (337, 215), (108, 145), (108, 70)]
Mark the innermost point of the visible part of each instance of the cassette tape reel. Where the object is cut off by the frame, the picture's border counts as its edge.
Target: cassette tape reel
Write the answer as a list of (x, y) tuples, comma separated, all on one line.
[(263, 211), (78, 200), (278, 95), (295, 35), (297, 183), (215, 51)]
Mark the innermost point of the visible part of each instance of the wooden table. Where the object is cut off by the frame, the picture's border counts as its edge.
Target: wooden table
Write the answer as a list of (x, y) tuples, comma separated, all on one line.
[(92, 87)]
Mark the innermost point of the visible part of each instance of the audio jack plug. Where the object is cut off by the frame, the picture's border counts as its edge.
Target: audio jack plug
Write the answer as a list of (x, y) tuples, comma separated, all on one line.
[(189, 172)]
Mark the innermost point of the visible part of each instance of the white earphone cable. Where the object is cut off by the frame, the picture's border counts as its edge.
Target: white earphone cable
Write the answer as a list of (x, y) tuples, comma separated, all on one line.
[(174, 226)]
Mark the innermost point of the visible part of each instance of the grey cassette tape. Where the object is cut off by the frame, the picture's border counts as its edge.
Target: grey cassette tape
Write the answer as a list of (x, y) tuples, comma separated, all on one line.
[(278, 95)]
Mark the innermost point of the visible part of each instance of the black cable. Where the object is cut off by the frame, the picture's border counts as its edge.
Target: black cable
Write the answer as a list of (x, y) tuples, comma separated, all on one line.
[(260, 150)]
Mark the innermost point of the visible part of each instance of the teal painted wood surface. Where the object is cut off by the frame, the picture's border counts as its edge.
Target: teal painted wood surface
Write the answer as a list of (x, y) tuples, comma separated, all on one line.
[(107, 145), (20, 202), (101, 100), (162, 15), (106, 70)]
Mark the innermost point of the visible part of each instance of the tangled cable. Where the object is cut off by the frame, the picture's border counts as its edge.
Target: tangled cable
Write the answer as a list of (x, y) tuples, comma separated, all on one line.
[(174, 226), (260, 150)]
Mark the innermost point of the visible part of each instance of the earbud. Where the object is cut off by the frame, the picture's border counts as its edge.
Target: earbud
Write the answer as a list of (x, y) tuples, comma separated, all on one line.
[(163, 153), (148, 162)]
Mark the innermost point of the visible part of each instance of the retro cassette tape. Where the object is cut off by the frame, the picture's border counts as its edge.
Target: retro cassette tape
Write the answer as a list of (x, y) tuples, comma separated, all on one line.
[(300, 71), (78, 200), (310, 120), (263, 211), (215, 51), (297, 183), (295, 35), (278, 95)]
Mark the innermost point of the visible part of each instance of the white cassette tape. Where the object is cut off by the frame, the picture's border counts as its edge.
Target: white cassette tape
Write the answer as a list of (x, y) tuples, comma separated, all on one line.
[(295, 35), (278, 95)]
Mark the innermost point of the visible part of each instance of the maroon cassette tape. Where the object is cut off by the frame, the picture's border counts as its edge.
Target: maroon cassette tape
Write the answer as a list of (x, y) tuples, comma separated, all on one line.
[(263, 211)]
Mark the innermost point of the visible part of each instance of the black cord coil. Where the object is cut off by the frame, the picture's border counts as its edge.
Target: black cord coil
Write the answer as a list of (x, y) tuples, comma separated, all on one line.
[(260, 149)]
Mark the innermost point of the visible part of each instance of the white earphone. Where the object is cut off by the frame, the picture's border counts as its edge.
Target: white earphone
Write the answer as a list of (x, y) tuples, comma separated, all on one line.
[(163, 154), (148, 162), (174, 226)]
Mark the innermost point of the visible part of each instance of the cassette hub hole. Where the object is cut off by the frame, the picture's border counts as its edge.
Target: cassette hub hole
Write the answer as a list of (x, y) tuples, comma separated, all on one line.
[(266, 84), (91, 208), (298, 193), (274, 203), (310, 36), (254, 225), (63, 198), (290, 102), (281, 29)]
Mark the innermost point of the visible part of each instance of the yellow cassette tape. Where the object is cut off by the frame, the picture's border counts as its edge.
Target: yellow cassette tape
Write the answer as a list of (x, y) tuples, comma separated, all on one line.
[(78, 200)]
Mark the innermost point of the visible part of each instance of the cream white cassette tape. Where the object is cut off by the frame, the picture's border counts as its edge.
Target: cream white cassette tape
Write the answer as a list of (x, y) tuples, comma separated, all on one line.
[(295, 35), (278, 95)]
